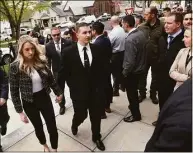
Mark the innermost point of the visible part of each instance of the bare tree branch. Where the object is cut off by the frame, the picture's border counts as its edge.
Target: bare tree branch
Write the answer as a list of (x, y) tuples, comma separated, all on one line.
[(21, 12), (14, 9)]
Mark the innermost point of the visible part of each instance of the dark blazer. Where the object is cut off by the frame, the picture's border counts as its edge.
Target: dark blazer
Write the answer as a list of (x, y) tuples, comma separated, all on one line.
[(135, 53), (4, 89), (167, 57), (82, 86), (173, 130), (20, 82), (54, 59)]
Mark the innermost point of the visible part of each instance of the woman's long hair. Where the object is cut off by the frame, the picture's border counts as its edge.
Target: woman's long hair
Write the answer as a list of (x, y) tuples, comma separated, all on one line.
[(39, 59)]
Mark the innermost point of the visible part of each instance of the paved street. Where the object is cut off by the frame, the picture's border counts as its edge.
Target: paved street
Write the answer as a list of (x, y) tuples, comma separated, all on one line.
[(117, 135)]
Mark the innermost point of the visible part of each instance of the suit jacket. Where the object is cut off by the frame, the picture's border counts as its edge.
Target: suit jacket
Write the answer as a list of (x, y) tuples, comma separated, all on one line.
[(82, 86), (54, 59), (20, 82), (135, 53), (166, 59), (173, 130), (179, 72)]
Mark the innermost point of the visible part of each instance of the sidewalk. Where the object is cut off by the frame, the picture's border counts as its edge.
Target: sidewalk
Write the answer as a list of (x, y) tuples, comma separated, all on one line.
[(116, 134)]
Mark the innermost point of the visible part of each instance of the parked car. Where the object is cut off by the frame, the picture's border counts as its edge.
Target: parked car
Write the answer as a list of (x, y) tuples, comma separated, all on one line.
[(87, 19), (104, 17), (5, 37), (23, 31), (66, 24), (6, 56)]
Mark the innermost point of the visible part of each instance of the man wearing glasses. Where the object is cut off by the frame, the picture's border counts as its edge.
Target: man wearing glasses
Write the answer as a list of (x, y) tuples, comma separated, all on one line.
[(53, 53)]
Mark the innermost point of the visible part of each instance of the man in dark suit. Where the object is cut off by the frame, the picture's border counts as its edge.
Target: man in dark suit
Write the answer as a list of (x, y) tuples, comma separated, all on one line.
[(133, 64), (4, 116), (53, 53), (104, 42), (83, 68), (173, 132)]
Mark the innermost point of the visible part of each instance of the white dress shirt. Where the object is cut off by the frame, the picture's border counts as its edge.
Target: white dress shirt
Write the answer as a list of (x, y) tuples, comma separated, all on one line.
[(174, 35), (36, 81), (56, 45), (81, 52)]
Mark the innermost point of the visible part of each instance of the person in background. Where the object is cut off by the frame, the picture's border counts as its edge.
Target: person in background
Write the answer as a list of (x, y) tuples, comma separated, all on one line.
[(117, 38), (31, 78), (187, 22), (173, 132), (133, 65), (4, 116), (138, 20), (48, 38), (166, 12), (101, 40), (66, 35), (181, 69), (41, 47)]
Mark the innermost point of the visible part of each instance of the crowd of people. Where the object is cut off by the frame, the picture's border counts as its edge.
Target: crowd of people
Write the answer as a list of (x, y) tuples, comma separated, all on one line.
[(87, 56)]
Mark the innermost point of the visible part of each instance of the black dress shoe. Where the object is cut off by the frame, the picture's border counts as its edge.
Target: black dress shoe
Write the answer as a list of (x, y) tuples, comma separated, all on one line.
[(3, 130), (104, 116), (1, 149), (141, 98), (154, 123), (132, 119), (100, 145), (62, 110), (155, 100), (74, 130)]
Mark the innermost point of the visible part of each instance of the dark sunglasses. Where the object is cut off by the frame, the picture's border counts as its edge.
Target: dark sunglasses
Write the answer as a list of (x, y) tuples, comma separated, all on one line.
[(54, 35)]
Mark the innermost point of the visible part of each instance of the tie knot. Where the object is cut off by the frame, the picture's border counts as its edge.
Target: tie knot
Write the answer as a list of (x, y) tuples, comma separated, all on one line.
[(84, 48), (171, 37)]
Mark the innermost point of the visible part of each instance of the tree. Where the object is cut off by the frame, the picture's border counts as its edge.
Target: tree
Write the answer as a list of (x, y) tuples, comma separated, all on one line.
[(13, 11)]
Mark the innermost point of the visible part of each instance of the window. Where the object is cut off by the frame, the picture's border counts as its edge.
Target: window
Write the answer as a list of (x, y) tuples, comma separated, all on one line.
[(54, 18)]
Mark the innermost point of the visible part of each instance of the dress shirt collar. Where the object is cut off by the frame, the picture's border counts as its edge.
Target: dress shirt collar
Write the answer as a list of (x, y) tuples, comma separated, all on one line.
[(175, 34), (131, 31), (80, 47), (57, 42)]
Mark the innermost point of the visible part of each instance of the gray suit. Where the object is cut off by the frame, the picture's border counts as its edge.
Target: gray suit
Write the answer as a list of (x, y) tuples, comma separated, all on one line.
[(133, 66)]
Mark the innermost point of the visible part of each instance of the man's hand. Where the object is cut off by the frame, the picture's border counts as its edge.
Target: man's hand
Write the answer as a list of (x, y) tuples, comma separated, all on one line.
[(59, 98), (2, 101), (23, 118)]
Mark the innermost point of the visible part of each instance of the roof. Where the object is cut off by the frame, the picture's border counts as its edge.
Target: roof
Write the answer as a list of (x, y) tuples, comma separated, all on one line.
[(44, 16), (78, 10), (58, 11), (74, 4)]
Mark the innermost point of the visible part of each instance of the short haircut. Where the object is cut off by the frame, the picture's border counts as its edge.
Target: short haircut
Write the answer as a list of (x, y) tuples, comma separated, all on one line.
[(178, 17), (130, 20), (140, 18), (55, 28), (153, 10), (82, 24), (98, 27), (167, 9)]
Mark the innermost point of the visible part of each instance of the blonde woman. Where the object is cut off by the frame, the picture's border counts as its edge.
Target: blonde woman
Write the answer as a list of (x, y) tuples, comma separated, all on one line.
[(181, 69), (30, 77)]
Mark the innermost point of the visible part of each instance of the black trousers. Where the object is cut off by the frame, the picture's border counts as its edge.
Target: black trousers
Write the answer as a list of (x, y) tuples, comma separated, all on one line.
[(63, 102), (4, 116), (131, 84), (117, 68), (108, 92), (81, 109), (42, 104), (143, 80)]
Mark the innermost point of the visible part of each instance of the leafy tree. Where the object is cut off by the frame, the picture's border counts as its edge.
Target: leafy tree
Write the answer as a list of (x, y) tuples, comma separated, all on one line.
[(14, 10)]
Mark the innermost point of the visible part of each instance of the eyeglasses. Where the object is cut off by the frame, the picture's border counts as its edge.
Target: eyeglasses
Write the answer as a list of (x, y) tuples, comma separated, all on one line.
[(54, 35)]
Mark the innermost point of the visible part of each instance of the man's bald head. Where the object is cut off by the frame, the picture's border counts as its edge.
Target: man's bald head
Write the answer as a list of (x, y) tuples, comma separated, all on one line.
[(115, 20)]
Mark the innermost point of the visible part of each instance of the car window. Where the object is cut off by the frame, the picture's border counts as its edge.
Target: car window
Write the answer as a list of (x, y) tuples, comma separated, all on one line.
[(22, 30)]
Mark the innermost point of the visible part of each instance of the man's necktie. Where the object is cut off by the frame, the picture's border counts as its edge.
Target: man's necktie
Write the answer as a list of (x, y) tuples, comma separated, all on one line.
[(86, 59), (170, 41), (58, 47)]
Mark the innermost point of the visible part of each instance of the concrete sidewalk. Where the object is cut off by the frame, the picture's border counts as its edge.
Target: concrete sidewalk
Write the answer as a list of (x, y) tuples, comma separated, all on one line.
[(116, 134)]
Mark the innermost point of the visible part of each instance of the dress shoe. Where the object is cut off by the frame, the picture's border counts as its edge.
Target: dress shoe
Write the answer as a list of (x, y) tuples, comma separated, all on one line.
[(74, 130), (62, 110), (141, 98), (154, 100), (1, 149), (154, 123), (108, 110), (104, 116), (132, 119), (100, 145), (115, 93), (3, 130)]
